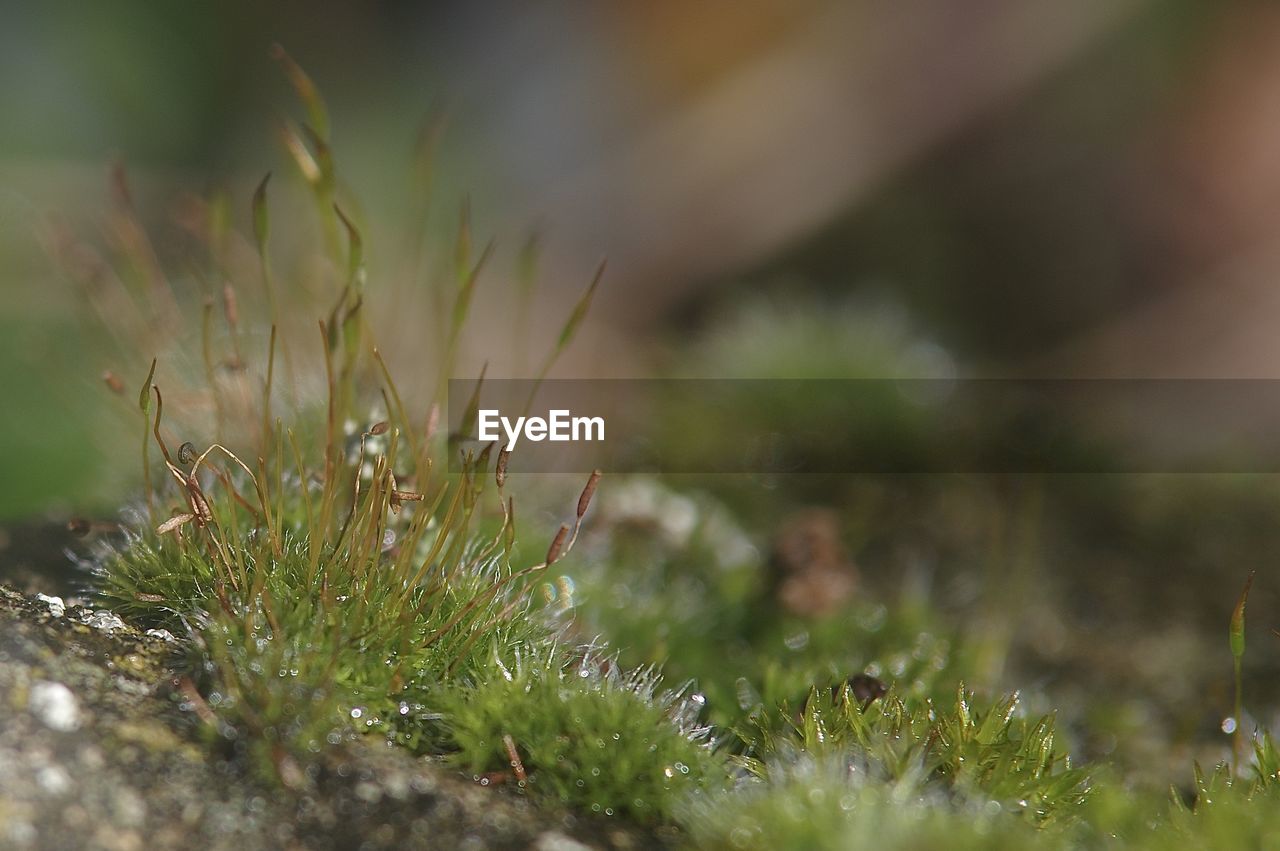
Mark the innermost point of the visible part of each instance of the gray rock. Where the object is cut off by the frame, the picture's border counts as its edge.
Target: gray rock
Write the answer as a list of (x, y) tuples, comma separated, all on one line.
[(96, 752)]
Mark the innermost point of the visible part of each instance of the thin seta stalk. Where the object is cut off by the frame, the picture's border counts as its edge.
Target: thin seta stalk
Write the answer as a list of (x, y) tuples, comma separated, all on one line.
[(567, 333), (1236, 633)]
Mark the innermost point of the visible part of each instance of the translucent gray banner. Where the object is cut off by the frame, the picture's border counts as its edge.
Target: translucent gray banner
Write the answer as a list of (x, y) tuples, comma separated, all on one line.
[(875, 426)]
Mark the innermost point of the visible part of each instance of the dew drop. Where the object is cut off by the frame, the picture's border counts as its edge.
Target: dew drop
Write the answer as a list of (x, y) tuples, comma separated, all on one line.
[(797, 642)]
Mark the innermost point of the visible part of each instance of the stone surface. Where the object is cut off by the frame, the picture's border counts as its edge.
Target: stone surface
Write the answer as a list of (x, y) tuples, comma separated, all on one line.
[(97, 751)]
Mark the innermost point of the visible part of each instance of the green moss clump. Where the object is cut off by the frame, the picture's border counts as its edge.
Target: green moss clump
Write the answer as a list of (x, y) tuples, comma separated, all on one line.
[(817, 803), (965, 751), (334, 577), (590, 735)]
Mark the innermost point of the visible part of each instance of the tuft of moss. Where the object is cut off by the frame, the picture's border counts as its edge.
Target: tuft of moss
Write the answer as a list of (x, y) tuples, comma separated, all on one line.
[(330, 578), (815, 803), (964, 751), (590, 735)]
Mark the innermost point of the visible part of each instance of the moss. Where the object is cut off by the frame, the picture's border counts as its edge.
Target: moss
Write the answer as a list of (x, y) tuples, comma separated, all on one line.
[(588, 735), (818, 804), (327, 576)]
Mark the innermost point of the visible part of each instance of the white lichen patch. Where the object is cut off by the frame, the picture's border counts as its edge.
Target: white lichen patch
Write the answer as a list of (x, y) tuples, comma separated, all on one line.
[(105, 621), (57, 607), (129, 807), (554, 840), (55, 705), (53, 779)]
